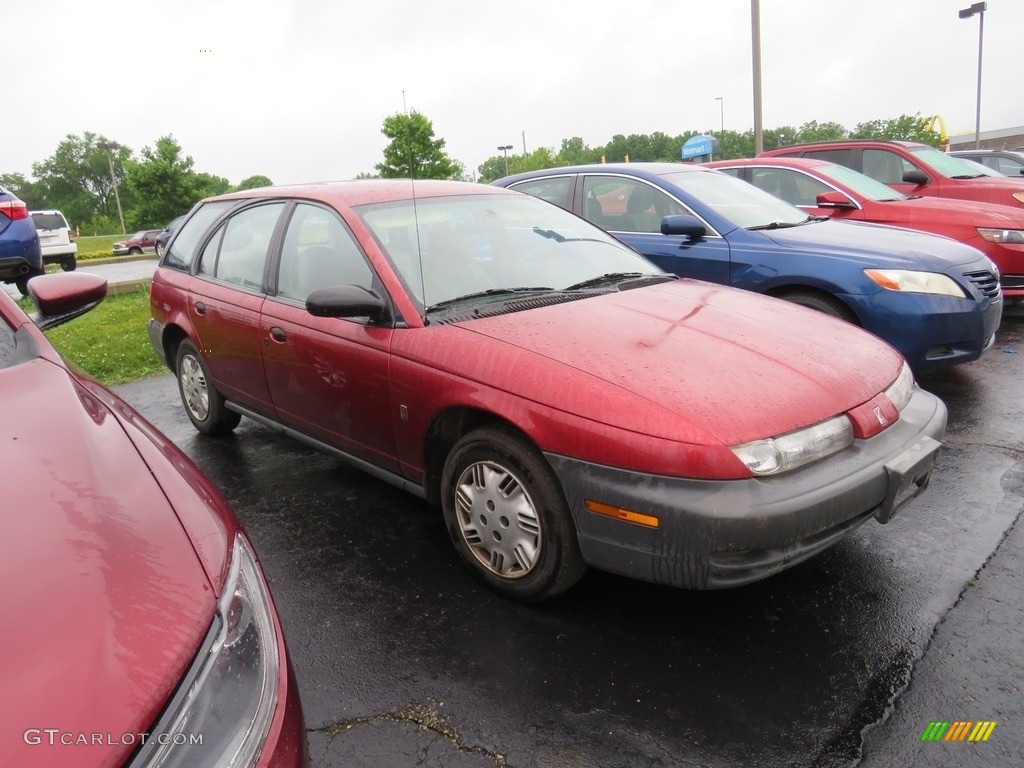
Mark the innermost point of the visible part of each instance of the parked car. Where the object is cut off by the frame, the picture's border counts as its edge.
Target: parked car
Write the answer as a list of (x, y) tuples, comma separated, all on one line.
[(566, 402), (21, 257), (821, 188), (138, 627), (913, 169), (143, 240), (937, 301), (56, 239), (1007, 162), (165, 235)]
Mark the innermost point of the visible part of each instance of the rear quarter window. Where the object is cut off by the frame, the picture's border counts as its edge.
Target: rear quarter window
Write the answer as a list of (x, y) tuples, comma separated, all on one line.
[(182, 247), (49, 221)]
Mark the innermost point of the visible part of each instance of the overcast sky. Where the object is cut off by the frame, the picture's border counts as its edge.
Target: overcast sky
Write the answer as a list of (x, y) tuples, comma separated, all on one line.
[(298, 89)]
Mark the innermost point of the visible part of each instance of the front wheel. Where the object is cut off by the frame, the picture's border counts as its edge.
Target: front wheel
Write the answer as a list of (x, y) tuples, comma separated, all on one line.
[(159, 248), (134, 251), (822, 303), (203, 403), (507, 516)]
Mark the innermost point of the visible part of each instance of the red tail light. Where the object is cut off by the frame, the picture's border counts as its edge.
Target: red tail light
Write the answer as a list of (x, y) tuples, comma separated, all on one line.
[(14, 209)]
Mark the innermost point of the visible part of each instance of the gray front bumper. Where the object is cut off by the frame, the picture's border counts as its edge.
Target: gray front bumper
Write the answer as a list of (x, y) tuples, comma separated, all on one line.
[(722, 533)]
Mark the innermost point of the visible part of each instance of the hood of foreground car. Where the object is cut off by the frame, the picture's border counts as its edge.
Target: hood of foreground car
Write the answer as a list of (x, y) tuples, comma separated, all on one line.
[(949, 212), (686, 360), (104, 600), (877, 245)]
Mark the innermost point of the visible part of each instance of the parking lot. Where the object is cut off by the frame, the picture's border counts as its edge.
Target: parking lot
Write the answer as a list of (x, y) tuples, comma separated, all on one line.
[(403, 659)]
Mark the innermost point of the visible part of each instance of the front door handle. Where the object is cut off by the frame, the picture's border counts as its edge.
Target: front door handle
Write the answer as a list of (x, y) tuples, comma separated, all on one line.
[(278, 334), (200, 308)]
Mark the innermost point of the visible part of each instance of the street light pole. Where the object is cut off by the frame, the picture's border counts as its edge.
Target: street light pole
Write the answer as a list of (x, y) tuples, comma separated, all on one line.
[(966, 13), (109, 145), (505, 149), (755, 55), (721, 110)]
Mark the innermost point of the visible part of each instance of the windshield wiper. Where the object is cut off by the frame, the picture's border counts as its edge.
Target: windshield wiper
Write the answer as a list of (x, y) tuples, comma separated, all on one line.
[(609, 277), (485, 294), (975, 176), (550, 234), (778, 225)]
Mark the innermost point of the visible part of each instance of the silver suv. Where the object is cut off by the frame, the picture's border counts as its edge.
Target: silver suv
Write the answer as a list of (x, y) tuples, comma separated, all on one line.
[(56, 239)]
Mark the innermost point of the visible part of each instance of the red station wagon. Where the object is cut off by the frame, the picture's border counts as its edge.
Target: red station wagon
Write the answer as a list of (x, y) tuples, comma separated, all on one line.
[(565, 401)]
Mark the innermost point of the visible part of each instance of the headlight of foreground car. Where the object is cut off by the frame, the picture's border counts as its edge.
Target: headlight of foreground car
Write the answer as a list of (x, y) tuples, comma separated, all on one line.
[(1019, 197), (795, 449), (902, 389), (915, 282), (1005, 236), (230, 693)]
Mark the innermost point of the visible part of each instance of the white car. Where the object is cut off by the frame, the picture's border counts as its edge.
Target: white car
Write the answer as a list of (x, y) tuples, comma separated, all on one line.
[(55, 237)]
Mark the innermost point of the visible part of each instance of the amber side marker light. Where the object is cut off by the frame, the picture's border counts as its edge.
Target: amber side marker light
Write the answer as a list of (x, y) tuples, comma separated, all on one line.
[(619, 513)]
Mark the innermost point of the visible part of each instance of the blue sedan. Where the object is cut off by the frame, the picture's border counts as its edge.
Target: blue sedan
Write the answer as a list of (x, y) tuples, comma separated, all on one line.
[(936, 300)]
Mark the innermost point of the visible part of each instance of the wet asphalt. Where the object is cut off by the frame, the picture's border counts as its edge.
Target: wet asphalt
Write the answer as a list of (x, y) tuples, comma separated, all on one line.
[(402, 659)]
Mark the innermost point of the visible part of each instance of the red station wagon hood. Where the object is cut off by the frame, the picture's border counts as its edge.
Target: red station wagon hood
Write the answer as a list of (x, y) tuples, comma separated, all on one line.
[(688, 361), (104, 600)]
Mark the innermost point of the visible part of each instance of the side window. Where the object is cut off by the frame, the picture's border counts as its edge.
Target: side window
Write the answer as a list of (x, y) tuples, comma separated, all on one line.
[(557, 190), (179, 254), (885, 166), (238, 252), (626, 205), (792, 186), (838, 156), (1006, 166), (319, 252)]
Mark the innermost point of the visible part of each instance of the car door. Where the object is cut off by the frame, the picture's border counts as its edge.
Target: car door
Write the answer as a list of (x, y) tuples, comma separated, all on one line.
[(225, 300), (328, 377), (632, 210)]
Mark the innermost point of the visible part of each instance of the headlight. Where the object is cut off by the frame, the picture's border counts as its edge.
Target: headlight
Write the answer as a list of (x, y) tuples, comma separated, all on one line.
[(795, 449), (229, 695), (1011, 236), (1019, 197), (915, 282), (901, 390)]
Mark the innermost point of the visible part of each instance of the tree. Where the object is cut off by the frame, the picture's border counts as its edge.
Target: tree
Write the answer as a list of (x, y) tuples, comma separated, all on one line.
[(76, 178), (902, 128), (208, 185), (815, 131), (575, 151), (163, 184), (413, 153), (253, 182), (31, 192)]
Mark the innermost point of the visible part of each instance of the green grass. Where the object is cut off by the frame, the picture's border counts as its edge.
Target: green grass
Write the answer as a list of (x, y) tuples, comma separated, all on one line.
[(110, 343), (96, 247)]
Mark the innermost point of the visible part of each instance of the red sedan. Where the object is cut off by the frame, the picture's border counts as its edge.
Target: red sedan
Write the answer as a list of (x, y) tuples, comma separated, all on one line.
[(137, 626), (826, 189), (565, 401)]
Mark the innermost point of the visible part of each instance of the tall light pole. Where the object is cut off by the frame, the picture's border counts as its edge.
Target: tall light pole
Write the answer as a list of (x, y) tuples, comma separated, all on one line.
[(966, 13), (721, 112), (505, 149), (755, 55), (109, 145)]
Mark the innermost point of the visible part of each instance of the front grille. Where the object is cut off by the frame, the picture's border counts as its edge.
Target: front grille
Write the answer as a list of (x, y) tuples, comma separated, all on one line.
[(985, 281), (1012, 281)]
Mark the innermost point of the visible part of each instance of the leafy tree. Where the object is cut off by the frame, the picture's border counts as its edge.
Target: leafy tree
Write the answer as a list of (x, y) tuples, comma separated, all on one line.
[(76, 178), (815, 131), (902, 128), (413, 153), (163, 184), (575, 151), (208, 185), (493, 168), (31, 192), (253, 182)]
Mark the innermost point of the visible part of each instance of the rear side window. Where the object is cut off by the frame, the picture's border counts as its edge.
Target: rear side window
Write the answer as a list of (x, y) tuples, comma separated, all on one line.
[(238, 252), (53, 220), (839, 156), (179, 255), (557, 190)]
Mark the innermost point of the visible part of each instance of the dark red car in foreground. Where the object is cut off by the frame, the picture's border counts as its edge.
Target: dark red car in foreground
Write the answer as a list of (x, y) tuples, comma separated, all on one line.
[(826, 189), (138, 629), (565, 401)]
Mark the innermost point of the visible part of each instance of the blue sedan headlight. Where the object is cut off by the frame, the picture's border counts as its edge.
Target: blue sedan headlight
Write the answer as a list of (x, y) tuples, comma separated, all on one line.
[(911, 281)]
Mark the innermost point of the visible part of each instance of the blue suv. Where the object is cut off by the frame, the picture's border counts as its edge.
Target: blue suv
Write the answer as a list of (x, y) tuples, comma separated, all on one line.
[(21, 257)]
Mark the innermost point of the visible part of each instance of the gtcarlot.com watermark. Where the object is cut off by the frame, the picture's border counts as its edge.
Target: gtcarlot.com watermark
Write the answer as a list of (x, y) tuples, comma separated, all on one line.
[(55, 737)]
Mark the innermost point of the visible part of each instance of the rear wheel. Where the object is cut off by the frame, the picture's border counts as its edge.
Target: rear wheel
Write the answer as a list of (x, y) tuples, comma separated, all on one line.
[(69, 263), (507, 516), (203, 403), (823, 303), (159, 248), (22, 281)]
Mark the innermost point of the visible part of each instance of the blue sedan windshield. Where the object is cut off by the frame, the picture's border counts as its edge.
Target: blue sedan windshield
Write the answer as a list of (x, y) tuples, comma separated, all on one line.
[(742, 204)]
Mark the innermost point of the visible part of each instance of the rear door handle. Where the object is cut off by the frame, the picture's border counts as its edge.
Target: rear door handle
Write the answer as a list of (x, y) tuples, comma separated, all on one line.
[(278, 334)]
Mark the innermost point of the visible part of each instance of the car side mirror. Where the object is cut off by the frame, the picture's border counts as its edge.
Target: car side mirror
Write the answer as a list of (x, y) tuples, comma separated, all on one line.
[(347, 301), (683, 224), (915, 177), (834, 199), (64, 296)]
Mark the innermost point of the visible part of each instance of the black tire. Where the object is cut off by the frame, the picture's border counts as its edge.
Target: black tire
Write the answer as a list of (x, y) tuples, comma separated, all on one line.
[(133, 251), (527, 551), (203, 403), (159, 248), (22, 281), (823, 303), (69, 264)]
